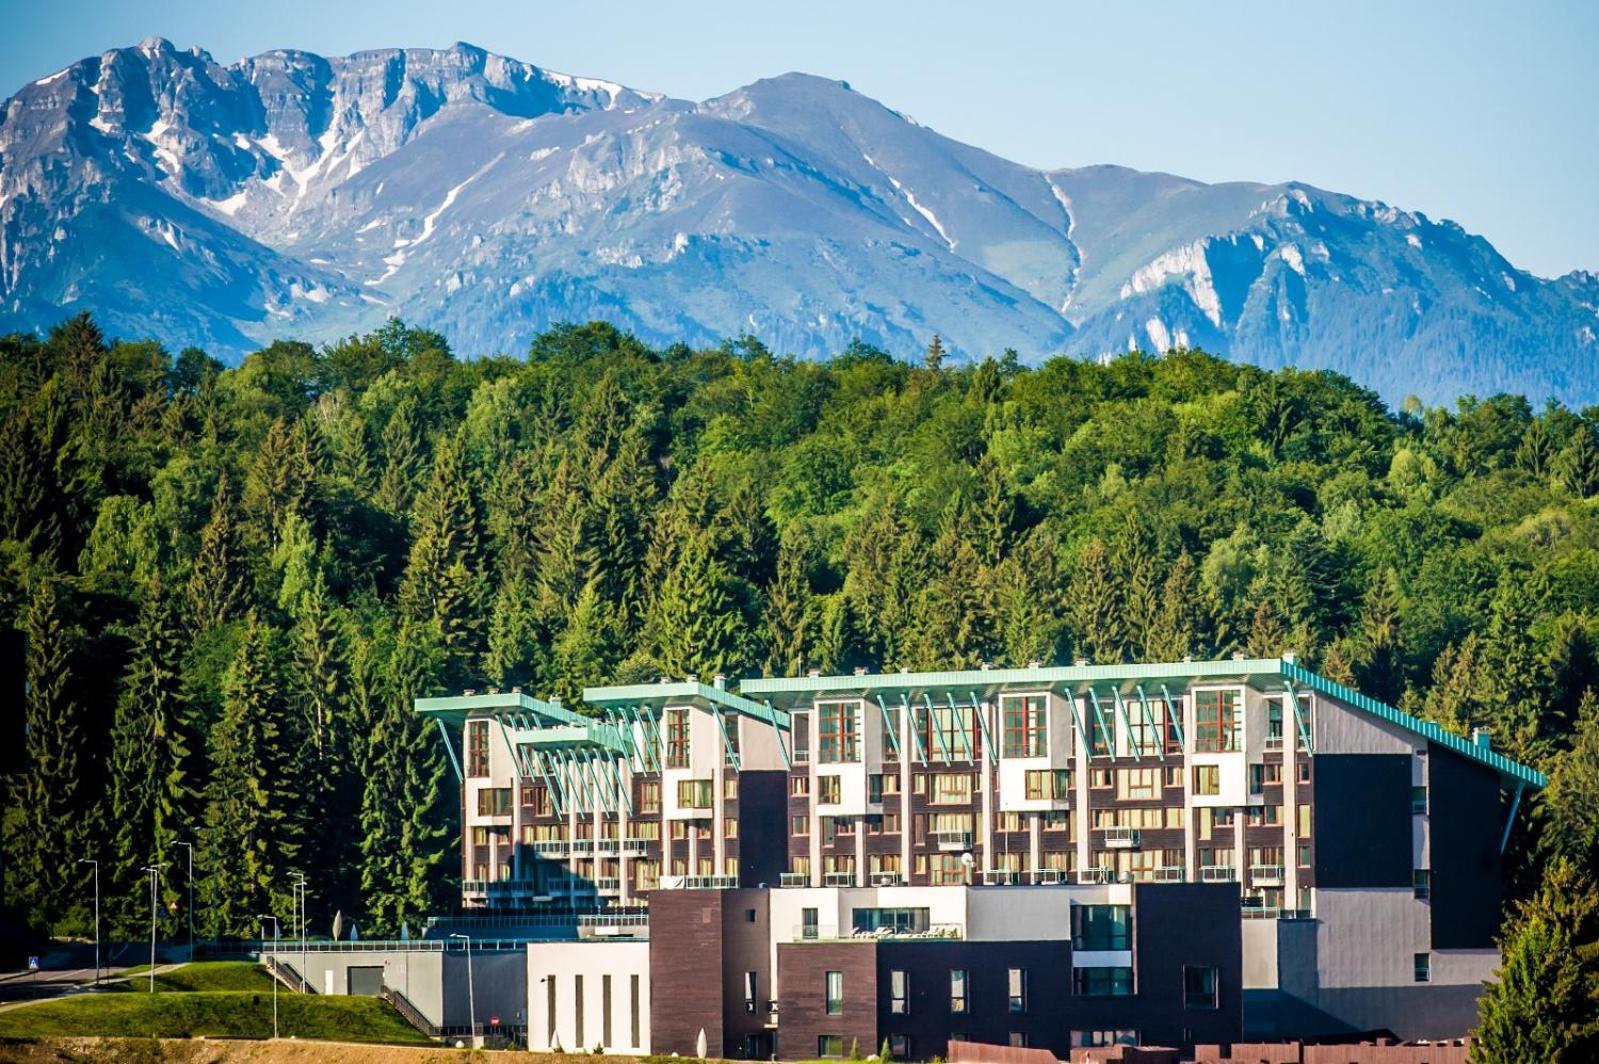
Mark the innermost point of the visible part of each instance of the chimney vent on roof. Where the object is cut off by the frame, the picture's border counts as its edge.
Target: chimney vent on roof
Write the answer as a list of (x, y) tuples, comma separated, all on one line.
[(720, 681), (905, 669), (470, 691), (516, 690), (985, 665), (860, 670), (1481, 738), (555, 700), (1291, 657), (813, 673), (692, 677), (1080, 662), (1035, 664), (494, 690), (1188, 657), (1238, 655)]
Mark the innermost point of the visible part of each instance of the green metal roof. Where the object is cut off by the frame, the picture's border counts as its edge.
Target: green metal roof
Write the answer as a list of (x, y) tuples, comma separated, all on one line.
[(456, 708), (686, 692), (794, 692)]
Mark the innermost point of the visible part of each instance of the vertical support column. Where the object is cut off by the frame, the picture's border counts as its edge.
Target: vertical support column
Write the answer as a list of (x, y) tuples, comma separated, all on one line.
[(1035, 843), (1290, 814), (985, 838), (718, 808), (1081, 817), (907, 767), (1180, 707)]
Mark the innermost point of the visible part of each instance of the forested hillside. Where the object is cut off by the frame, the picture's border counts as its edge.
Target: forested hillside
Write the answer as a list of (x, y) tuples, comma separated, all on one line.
[(234, 581)]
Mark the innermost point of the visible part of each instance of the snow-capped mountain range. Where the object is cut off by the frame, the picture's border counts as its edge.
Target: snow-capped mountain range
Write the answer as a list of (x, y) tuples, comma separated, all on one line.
[(292, 195)]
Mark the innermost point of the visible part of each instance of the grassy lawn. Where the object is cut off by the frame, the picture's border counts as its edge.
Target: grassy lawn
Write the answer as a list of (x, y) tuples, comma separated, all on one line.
[(201, 976), (218, 1013)]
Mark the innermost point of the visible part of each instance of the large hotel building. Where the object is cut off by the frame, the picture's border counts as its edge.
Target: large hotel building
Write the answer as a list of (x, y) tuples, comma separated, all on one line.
[(1058, 857)]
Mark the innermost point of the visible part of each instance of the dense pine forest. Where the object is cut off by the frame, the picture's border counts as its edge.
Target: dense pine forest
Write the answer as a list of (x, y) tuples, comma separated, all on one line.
[(233, 581)]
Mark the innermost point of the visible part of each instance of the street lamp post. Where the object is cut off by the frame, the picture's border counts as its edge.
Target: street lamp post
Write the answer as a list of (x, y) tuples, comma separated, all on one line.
[(190, 847), (85, 860), (301, 877), (275, 937), (471, 991), (155, 878)]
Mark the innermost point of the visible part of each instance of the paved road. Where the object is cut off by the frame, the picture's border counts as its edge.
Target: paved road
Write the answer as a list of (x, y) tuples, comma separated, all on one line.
[(60, 974)]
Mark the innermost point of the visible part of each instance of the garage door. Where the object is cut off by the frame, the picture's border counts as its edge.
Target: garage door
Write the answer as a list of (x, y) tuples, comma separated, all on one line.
[(366, 982)]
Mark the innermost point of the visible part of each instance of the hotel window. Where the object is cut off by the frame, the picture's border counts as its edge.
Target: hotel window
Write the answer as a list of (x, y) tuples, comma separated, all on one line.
[(634, 1001), (1257, 779), (649, 796), (1138, 784), (1199, 987), (494, 801), (838, 732), (1101, 778), (730, 787), (1418, 799), (751, 981), (1423, 967), (1146, 732), (880, 783), (729, 827), (1303, 770), (947, 870), (477, 748), (1176, 817), (677, 738), (1218, 724), (1207, 779), (1421, 883), (1009, 821), (801, 725), (1274, 724), (577, 996), (679, 830), (1101, 733), (1102, 982), (952, 788), (730, 746), (1016, 989), (694, 794), (1045, 783), (957, 990), (829, 1045), (799, 825), (1304, 855), (1104, 1039), (829, 790), (549, 1007), (1304, 820), (1026, 722), (605, 1010), (1174, 775), (1057, 820), (1102, 927), (891, 823), (835, 993), (799, 786)]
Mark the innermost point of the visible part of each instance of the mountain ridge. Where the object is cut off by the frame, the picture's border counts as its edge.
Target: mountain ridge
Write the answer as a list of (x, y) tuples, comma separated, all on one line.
[(295, 194)]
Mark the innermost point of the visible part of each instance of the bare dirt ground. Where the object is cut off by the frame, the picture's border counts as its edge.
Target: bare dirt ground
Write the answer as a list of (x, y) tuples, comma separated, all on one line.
[(285, 1051)]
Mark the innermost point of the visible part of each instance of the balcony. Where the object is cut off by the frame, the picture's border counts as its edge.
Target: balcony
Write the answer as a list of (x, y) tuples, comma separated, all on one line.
[(704, 882), (794, 879), (552, 847), (636, 847), (1170, 874), (613, 925), (1096, 876), (1266, 875), (1000, 877), (609, 845), (828, 933), (952, 840), (838, 879), (1121, 838), (887, 879), (582, 845), (1218, 874), (1048, 876), (608, 884)]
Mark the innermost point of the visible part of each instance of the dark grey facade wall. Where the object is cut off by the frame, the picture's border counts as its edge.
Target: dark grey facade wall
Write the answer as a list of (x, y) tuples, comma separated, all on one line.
[(746, 947), (1466, 822), (498, 981), (762, 827), (929, 1023), (1180, 924), (1362, 830), (803, 1018)]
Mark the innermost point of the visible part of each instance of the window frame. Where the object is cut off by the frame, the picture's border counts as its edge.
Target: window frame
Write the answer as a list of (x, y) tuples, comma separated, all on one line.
[(1025, 729)]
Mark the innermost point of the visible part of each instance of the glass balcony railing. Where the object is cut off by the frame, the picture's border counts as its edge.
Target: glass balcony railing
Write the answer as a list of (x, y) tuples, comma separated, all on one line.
[(952, 840), (1218, 874), (1170, 874), (1266, 875), (794, 879)]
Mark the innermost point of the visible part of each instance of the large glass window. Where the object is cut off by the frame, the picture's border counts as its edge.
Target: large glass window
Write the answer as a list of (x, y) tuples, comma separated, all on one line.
[(896, 920), (1044, 783), (899, 992), (829, 790), (838, 732), (1148, 730), (677, 738), (1199, 987), (1101, 731), (694, 794), (952, 788), (957, 990), (1102, 982), (801, 725), (1016, 989), (829, 1045), (1026, 723), (477, 748), (1207, 779), (835, 993), (494, 801), (1218, 720), (1102, 927)]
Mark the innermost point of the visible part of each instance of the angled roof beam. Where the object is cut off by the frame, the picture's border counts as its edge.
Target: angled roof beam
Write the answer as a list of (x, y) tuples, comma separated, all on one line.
[(1154, 728), (1515, 805), (1174, 714), (938, 733), (964, 727), (782, 747), (549, 784), (1099, 719), (1077, 723), (888, 726), (988, 737), (916, 732), (449, 748), (727, 739), (1127, 724), (1299, 718)]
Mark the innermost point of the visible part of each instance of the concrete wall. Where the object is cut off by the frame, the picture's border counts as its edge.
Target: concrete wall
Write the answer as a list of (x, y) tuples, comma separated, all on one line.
[(416, 974), (594, 961)]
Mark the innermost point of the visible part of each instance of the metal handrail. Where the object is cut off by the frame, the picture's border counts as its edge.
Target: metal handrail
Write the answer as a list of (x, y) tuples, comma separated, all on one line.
[(838, 879), (959, 840), (410, 1012), (1096, 875), (794, 879), (1170, 873), (1217, 874)]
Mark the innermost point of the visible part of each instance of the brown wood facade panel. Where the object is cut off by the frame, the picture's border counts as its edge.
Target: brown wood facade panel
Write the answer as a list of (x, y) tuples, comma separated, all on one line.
[(802, 969), (686, 991)]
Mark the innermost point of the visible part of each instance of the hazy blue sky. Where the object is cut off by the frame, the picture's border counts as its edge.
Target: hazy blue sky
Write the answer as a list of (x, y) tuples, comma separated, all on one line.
[(1484, 112)]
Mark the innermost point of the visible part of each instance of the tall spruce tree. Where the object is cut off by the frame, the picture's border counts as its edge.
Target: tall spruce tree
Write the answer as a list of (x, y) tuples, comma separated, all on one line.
[(151, 797), (1095, 605), (48, 793), (443, 589), (244, 848), (218, 584)]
